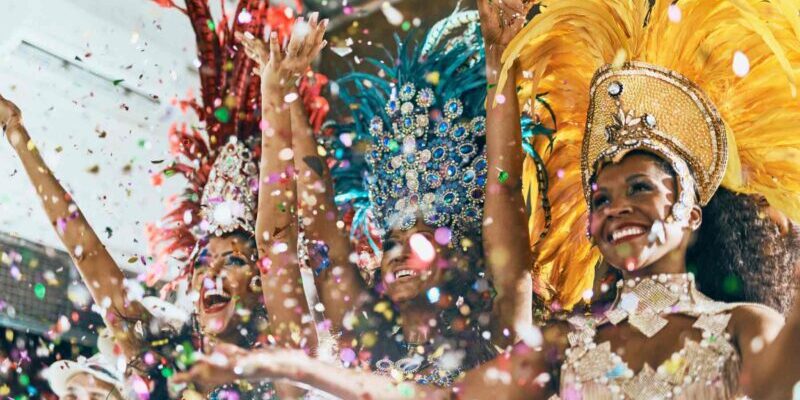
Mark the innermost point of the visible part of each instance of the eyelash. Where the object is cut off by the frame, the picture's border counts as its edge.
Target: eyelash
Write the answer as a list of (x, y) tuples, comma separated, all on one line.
[(636, 187), (639, 187), (236, 260)]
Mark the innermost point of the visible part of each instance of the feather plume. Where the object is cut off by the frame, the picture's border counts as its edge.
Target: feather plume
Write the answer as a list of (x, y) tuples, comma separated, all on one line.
[(562, 47)]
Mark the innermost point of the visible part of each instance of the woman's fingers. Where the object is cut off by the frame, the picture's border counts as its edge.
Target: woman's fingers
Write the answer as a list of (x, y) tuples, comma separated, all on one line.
[(297, 38), (275, 55)]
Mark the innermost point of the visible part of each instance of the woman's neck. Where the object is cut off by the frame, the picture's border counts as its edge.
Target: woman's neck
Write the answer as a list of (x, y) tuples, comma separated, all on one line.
[(673, 262), (417, 317)]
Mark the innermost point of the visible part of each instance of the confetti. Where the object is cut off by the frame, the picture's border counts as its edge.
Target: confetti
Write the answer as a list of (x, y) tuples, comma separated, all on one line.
[(741, 64), (341, 51), (433, 295), (393, 15), (502, 177), (223, 114), (40, 291), (443, 235), (674, 13), (422, 247)]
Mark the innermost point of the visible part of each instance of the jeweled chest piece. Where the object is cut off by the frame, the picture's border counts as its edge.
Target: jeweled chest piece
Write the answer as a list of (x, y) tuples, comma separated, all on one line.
[(645, 301)]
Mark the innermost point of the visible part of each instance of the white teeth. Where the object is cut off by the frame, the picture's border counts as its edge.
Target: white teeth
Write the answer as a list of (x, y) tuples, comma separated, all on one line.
[(403, 273), (625, 232), (215, 292)]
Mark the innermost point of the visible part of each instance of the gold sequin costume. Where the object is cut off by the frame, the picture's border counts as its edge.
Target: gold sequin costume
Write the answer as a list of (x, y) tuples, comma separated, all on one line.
[(710, 85), (704, 369)]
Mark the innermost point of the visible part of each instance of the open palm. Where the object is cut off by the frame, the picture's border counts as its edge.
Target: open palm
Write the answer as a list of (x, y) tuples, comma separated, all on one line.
[(501, 20)]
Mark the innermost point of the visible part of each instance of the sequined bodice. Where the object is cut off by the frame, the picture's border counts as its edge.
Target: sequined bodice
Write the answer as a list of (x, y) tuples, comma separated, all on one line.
[(708, 369)]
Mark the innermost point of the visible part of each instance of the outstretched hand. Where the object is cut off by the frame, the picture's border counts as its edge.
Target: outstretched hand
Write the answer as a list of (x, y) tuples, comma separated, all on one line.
[(501, 20), (280, 66), (229, 363)]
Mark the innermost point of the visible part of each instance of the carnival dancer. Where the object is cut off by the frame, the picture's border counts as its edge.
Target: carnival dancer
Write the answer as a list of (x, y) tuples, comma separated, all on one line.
[(213, 229), (653, 134), (443, 246)]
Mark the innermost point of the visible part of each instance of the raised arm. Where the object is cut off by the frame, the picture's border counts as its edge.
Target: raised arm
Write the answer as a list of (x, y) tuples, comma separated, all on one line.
[(505, 230), (340, 283), (97, 268), (276, 223)]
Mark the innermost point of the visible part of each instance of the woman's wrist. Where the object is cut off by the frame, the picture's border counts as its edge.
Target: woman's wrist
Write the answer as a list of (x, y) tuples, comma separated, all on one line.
[(15, 132)]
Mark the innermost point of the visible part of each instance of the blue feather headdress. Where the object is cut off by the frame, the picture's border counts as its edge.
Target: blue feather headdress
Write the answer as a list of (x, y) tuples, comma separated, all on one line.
[(423, 116)]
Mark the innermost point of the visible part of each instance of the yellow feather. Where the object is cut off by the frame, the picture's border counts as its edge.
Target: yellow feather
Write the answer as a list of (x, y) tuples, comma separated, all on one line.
[(559, 51)]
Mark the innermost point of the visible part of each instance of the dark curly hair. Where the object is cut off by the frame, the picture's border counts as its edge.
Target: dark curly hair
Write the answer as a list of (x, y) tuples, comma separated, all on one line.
[(740, 254)]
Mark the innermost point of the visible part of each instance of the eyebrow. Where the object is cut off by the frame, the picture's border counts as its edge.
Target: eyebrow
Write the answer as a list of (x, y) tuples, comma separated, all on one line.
[(635, 176)]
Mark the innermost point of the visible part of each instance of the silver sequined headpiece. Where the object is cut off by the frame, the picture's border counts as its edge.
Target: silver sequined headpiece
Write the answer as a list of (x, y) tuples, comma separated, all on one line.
[(229, 200)]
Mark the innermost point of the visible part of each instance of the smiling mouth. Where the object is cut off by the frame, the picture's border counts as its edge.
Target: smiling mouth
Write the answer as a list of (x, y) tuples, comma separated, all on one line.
[(215, 300), (405, 274), (625, 233)]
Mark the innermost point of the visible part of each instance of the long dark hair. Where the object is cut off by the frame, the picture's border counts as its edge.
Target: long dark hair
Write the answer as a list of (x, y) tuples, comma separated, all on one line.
[(740, 254)]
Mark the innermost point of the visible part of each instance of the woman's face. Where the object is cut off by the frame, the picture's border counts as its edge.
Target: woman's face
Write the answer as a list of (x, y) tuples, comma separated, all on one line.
[(222, 277), (413, 262), (84, 386), (629, 209)]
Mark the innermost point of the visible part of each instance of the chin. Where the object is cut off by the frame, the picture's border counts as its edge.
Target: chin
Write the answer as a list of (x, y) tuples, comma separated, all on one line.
[(218, 322)]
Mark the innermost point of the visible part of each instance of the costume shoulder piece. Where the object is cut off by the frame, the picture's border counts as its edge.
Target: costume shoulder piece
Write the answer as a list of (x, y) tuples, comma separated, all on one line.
[(708, 85)]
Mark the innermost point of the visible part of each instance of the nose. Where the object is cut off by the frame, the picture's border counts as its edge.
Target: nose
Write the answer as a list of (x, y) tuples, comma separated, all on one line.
[(618, 207)]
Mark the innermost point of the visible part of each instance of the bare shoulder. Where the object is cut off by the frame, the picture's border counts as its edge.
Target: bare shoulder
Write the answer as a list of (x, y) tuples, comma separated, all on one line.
[(752, 320)]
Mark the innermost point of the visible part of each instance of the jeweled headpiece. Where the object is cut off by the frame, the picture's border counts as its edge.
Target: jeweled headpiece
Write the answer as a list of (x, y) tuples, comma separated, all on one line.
[(425, 121), (229, 201), (429, 169), (644, 107), (697, 82)]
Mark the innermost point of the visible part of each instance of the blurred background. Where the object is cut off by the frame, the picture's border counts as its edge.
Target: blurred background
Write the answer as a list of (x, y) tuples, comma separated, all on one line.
[(97, 82)]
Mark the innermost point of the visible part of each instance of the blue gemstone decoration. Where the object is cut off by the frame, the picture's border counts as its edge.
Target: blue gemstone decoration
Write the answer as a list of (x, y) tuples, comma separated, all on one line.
[(616, 372), (408, 122), (449, 198), (451, 171), (469, 176), (443, 127), (438, 153), (459, 132), (466, 149)]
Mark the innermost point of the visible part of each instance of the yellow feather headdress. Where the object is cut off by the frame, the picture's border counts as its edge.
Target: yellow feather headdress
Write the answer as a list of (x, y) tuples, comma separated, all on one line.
[(743, 54)]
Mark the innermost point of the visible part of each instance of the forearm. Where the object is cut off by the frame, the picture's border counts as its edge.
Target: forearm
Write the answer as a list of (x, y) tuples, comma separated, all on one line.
[(276, 231), (340, 283), (505, 231), (102, 276), (342, 383)]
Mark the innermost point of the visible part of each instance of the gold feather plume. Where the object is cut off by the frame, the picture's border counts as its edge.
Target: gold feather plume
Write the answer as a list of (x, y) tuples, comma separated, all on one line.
[(562, 47)]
